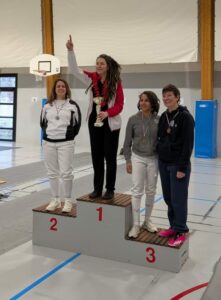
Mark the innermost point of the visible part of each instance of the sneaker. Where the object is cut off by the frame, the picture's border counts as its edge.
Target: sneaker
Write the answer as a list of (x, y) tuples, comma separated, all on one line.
[(177, 240), (167, 233), (148, 225), (67, 206), (95, 194), (108, 195), (134, 232), (54, 204)]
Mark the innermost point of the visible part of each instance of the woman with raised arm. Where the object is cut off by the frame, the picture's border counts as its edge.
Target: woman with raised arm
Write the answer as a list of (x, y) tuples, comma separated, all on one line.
[(141, 159), (60, 122), (104, 121)]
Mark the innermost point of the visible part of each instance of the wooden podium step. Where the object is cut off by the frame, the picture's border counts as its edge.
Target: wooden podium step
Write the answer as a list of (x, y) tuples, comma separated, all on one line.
[(151, 238), (58, 211), (119, 200), (99, 228)]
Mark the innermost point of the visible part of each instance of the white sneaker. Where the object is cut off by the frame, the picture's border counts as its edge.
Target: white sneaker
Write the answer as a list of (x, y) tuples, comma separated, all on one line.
[(134, 232), (54, 204), (148, 225), (67, 206)]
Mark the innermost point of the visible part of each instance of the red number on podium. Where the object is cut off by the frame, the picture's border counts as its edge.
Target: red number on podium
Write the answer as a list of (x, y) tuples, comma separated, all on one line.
[(100, 213), (53, 225), (151, 258)]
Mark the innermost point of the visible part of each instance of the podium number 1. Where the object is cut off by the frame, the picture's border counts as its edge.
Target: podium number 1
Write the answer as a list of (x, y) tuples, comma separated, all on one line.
[(53, 226), (100, 213)]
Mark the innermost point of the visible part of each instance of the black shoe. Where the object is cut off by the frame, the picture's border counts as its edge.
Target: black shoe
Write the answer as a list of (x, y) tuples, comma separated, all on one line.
[(108, 195), (95, 194)]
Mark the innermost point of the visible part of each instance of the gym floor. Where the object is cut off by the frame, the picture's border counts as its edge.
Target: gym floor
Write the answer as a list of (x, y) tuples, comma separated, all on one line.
[(40, 273)]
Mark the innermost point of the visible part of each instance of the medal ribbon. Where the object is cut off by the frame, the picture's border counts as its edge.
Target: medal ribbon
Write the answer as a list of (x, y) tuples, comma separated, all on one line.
[(58, 109), (170, 122), (103, 93)]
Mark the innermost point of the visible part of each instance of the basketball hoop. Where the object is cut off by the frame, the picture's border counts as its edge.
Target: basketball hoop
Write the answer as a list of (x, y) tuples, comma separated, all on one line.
[(44, 65), (42, 73)]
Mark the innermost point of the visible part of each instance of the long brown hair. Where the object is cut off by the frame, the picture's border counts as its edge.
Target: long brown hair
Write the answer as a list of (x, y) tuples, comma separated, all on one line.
[(53, 94), (113, 75)]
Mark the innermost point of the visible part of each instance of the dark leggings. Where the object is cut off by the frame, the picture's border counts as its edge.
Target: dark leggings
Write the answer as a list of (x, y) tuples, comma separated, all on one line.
[(104, 146)]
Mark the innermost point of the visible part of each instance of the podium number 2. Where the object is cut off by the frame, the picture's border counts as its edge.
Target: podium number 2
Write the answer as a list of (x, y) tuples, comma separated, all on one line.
[(100, 213), (151, 258), (53, 224)]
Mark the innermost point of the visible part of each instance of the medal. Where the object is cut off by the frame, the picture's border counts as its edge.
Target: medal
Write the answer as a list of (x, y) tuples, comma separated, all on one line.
[(58, 109), (171, 123), (168, 130), (145, 131), (144, 140)]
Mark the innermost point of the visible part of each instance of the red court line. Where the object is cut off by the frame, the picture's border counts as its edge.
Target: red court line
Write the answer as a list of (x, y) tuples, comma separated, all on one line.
[(193, 289)]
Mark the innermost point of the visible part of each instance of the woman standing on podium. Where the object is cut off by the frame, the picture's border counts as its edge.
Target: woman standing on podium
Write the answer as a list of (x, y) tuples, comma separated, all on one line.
[(60, 122), (174, 147), (141, 159), (104, 121)]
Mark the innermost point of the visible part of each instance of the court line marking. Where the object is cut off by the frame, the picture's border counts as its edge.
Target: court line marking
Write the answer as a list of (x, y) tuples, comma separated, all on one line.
[(189, 291), (44, 277)]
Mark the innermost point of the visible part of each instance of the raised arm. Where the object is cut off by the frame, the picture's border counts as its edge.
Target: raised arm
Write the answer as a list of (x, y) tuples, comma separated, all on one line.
[(72, 64)]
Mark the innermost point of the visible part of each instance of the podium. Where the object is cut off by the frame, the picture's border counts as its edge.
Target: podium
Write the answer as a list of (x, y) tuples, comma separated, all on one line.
[(99, 228)]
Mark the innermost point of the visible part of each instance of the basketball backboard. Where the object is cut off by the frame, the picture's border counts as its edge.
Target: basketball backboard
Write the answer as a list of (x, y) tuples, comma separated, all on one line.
[(45, 65)]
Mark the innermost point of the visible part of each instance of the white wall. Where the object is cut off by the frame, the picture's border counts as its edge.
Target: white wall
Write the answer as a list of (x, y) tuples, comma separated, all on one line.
[(28, 113), (133, 32)]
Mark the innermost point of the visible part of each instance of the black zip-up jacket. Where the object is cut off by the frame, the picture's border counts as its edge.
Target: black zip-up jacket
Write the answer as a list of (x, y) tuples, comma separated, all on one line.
[(176, 137)]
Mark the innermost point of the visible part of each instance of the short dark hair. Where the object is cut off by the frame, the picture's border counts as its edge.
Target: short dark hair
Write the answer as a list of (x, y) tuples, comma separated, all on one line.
[(153, 99), (172, 88)]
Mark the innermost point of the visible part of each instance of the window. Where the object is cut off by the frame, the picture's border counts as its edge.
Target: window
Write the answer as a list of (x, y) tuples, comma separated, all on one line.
[(8, 101)]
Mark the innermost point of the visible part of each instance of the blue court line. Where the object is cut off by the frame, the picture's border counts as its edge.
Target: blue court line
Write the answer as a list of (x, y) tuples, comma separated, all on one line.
[(155, 201), (142, 209), (199, 199), (158, 199), (44, 277)]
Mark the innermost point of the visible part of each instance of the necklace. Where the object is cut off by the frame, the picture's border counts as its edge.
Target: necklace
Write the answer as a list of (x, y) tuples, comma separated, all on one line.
[(145, 130), (58, 109), (170, 122)]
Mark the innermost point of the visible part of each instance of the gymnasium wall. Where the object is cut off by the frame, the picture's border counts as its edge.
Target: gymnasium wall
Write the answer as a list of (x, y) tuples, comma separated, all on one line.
[(155, 41), (28, 112)]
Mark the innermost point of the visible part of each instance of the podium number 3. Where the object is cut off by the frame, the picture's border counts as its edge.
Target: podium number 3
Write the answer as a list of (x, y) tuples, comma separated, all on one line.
[(100, 213), (53, 224), (151, 258)]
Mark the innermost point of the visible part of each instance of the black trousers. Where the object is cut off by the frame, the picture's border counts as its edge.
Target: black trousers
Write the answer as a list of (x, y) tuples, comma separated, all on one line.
[(104, 146), (175, 193)]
